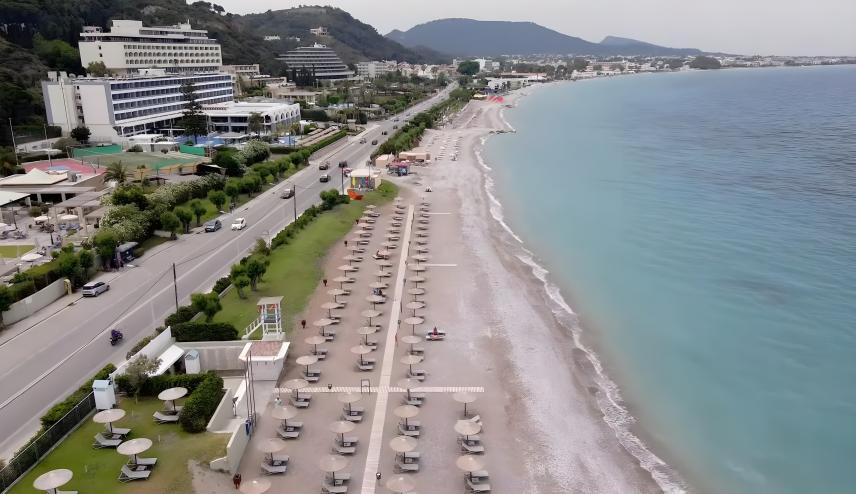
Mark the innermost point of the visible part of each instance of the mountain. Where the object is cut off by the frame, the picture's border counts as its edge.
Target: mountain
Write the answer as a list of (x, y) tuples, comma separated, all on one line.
[(468, 37)]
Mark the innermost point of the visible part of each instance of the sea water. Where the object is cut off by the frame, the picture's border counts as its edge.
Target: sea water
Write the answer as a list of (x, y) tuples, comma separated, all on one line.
[(703, 226)]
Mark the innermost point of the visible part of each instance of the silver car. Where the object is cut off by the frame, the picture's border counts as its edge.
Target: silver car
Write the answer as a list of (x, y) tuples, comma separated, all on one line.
[(95, 288)]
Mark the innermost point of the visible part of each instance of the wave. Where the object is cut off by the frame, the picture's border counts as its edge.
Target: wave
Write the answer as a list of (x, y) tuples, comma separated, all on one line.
[(609, 401)]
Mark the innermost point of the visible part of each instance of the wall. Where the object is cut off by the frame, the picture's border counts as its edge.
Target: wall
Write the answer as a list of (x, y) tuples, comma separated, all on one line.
[(153, 349), (35, 302), (234, 451), (224, 413), (218, 355)]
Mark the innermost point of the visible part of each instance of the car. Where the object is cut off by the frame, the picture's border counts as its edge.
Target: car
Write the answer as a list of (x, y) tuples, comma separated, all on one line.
[(287, 193), (395, 126), (324, 166), (374, 142), (239, 224), (384, 133), (395, 120), (213, 225), (343, 164), (325, 178), (95, 288), (362, 141)]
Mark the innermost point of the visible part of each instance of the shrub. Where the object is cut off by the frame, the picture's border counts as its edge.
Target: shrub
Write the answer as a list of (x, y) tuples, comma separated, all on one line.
[(139, 346), (183, 314), (221, 284), (155, 384), (62, 408), (136, 148), (253, 152), (201, 404), (204, 331)]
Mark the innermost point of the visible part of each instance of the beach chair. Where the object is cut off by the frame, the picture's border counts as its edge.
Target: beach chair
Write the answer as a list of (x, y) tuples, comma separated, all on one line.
[(163, 418), (401, 467), (344, 450), (288, 434), (128, 474), (104, 442), (321, 353), (275, 468), (365, 366), (418, 374), (412, 432), (477, 486), (472, 448), (121, 431), (417, 350), (333, 489), (144, 462)]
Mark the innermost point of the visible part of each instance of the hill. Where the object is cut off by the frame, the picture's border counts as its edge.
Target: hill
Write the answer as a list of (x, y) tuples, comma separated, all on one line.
[(468, 37)]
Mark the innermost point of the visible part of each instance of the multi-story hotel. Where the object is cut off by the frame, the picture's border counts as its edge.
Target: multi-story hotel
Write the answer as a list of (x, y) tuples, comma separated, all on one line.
[(373, 70), (320, 60), (129, 46)]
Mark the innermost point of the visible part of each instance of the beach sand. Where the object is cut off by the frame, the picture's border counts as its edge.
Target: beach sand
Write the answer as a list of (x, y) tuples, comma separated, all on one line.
[(543, 431)]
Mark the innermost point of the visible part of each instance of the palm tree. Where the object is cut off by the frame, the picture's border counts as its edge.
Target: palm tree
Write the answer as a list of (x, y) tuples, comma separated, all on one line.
[(141, 169), (116, 171)]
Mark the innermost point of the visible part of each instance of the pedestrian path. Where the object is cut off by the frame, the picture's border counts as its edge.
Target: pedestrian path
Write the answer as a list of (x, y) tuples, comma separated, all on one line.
[(385, 389)]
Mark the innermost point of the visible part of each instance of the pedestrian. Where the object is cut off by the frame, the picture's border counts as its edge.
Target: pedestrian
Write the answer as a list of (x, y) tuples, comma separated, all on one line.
[(237, 480), (325, 282), (346, 243), (303, 323), (278, 401)]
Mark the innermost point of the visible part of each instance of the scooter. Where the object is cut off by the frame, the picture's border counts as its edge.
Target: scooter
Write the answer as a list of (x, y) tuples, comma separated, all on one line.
[(115, 336)]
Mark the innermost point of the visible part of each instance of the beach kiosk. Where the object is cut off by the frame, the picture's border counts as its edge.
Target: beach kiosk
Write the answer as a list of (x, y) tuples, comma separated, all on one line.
[(363, 179)]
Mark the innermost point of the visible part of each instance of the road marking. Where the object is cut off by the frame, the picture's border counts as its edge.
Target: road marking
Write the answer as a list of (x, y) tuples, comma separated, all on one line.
[(379, 418)]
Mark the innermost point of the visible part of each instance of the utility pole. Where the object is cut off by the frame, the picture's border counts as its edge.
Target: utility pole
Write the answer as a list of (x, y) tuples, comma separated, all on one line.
[(14, 146), (175, 286), (294, 202)]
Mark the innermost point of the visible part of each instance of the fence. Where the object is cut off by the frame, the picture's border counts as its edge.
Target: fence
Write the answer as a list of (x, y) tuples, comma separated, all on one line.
[(28, 457)]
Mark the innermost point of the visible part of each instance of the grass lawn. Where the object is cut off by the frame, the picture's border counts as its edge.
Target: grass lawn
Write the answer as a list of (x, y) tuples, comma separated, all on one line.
[(13, 251), (295, 268), (97, 470)]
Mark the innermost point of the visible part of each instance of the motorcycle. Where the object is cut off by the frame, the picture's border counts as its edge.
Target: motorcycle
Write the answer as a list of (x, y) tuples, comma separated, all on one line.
[(115, 337)]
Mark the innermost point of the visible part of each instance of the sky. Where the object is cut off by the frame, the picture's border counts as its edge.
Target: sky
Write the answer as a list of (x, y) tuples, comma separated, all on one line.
[(766, 27)]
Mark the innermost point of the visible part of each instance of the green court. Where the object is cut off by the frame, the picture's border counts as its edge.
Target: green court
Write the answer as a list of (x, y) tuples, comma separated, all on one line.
[(104, 155)]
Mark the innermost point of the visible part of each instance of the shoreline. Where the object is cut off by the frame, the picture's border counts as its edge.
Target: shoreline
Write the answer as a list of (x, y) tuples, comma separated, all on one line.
[(608, 399)]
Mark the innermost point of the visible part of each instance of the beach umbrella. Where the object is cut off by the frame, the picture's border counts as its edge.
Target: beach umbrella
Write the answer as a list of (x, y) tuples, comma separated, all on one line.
[(422, 228), (306, 360), (374, 300), (402, 444), (323, 323), (336, 293), (134, 447), (464, 397), (271, 445), (349, 398), (421, 249), (382, 274), (341, 280), (172, 394), (255, 486), (406, 412), (332, 464), (410, 340), (108, 417), (342, 427), (409, 384), (366, 331), (410, 360), (347, 268), (400, 484), (329, 306), (50, 481), (378, 284), (414, 321), (469, 464), (415, 305), (416, 267), (370, 314), (384, 263), (417, 279), (383, 253), (352, 258), (371, 206), (295, 385), (389, 245), (419, 258), (467, 428), (361, 350), (284, 412), (315, 340), (416, 292)]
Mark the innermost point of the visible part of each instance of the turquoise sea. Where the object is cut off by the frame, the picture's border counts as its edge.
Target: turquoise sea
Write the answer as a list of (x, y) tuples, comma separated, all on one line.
[(703, 226)]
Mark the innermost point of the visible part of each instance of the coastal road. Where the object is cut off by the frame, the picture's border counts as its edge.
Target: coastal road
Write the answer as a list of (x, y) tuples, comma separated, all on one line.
[(57, 349)]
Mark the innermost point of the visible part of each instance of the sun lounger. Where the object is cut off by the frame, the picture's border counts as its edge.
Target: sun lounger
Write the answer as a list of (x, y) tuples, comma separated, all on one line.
[(321, 353), (352, 418), (406, 467), (471, 448), (286, 434), (104, 442), (163, 418), (333, 489), (294, 425), (365, 366), (341, 478), (128, 474), (417, 350), (274, 469), (479, 476), (349, 441), (408, 431), (344, 450), (145, 462), (120, 431), (417, 374), (477, 487), (435, 337), (299, 403), (476, 419)]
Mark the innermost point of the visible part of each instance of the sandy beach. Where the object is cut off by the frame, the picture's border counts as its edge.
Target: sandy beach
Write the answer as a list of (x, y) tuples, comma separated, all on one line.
[(542, 430)]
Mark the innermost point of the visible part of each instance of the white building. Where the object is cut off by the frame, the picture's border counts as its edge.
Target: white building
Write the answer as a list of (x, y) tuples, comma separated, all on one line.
[(319, 60), (319, 31), (373, 70), (129, 46), (272, 37), (233, 116)]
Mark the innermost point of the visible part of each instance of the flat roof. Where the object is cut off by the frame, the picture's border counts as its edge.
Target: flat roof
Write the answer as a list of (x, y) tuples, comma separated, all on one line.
[(34, 177), (7, 197), (91, 198)]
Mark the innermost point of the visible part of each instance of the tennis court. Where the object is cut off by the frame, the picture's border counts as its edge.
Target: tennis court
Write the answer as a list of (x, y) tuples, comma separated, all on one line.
[(102, 156)]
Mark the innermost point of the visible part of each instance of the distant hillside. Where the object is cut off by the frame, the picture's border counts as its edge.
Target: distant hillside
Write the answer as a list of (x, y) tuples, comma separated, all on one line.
[(468, 37)]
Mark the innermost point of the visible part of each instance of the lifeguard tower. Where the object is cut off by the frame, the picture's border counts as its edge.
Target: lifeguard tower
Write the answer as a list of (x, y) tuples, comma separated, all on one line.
[(269, 320)]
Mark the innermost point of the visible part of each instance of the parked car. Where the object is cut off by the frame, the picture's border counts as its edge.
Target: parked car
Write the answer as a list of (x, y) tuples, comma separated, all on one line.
[(287, 193), (384, 133), (213, 225), (239, 224), (95, 288), (324, 166), (374, 142), (325, 178)]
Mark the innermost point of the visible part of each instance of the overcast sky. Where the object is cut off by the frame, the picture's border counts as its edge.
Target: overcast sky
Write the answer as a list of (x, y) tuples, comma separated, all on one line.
[(786, 27)]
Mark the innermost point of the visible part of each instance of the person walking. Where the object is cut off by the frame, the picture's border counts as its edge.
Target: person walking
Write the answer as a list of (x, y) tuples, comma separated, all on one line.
[(237, 480), (303, 323), (325, 282)]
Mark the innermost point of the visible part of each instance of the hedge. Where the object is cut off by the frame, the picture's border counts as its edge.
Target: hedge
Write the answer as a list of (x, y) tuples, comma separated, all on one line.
[(204, 331), (183, 314), (154, 385), (221, 285), (201, 404), (59, 410)]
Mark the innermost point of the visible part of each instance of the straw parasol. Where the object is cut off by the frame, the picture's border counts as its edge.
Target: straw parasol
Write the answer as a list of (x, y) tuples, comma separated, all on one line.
[(419, 258), (108, 417), (255, 486), (418, 279), (134, 447), (172, 394), (284, 412), (329, 306), (469, 464), (402, 444), (400, 484), (414, 321), (422, 249), (352, 258), (414, 306), (336, 293), (406, 412), (378, 284), (374, 300), (410, 360), (50, 481), (389, 245), (306, 360), (467, 428), (361, 350), (370, 314), (315, 340), (408, 384), (464, 397), (371, 206), (342, 427), (271, 445), (384, 263), (333, 463), (347, 268), (417, 268), (382, 274), (341, 280), (349, 398), (295, 385), (366, 331)]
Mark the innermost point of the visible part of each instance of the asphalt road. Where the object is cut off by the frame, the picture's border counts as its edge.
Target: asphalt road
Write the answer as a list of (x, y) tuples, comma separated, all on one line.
[(48, 358)]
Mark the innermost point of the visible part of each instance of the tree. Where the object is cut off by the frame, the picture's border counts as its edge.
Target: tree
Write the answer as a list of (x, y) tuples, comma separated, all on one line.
[(470, 68), (138, 370), (705, 63), (256, 267), (81, 133), (185, 216), (198, 210), (56, 53), (6, 301), (217, 198), (68, 266), (193, 120), (207, 303), (238, 275), (129, 194), (227, 161), (141, 169), (170, 222), (116, 171), (233, 190), (86, 260), (97, 69), (255, 123), (105, 242)]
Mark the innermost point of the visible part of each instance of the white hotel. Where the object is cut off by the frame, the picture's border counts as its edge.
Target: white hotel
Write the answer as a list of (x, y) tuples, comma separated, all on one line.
[(146, 98)]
